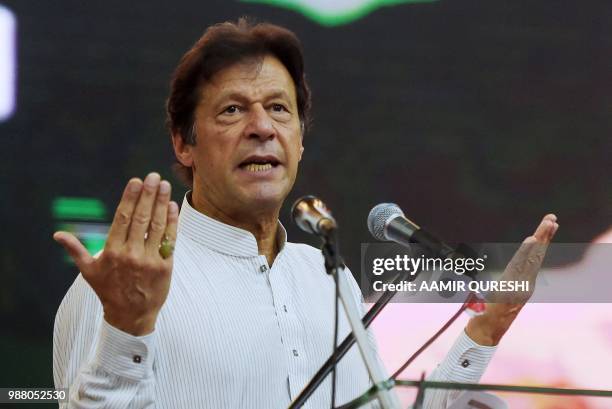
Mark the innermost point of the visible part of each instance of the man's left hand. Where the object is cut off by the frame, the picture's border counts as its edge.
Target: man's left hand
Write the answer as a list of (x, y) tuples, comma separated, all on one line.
[(488, 328)]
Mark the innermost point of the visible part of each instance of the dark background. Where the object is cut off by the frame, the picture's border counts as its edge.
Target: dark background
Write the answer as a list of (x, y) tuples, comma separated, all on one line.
[(477, 117)]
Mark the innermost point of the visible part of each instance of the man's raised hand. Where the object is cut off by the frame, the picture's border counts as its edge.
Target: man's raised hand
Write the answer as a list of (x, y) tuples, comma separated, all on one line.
[(130, 276), (527, 261), (503, 308)]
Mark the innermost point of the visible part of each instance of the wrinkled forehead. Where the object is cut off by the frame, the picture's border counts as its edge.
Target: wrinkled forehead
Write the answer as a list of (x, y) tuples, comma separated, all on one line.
[(253, 78)]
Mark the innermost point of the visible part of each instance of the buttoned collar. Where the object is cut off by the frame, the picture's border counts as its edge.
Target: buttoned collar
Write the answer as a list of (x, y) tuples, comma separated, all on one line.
[(219, 236)]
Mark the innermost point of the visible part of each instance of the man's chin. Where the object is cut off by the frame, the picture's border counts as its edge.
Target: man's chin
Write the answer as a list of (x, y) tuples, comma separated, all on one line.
[(263, 199), (265, 202)]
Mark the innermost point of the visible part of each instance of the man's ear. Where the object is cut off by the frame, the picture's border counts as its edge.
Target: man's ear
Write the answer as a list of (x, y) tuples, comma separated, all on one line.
[(182, 150)]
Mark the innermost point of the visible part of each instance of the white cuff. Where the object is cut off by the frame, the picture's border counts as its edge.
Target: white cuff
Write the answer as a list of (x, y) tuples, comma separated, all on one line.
[(125, 355), (466, 361)]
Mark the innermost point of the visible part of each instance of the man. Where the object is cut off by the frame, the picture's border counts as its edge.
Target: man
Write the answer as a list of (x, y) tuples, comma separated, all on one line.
[(236, 316)]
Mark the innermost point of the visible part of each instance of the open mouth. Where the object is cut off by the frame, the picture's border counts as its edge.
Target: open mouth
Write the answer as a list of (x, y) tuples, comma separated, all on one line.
[(259, 164)]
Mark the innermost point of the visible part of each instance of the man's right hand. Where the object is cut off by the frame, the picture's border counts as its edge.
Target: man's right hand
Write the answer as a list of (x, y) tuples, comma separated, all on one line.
[(130, 276)]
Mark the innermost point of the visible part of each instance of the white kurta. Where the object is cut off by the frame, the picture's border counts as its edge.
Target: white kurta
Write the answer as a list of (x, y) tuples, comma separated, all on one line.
[(233, 333)]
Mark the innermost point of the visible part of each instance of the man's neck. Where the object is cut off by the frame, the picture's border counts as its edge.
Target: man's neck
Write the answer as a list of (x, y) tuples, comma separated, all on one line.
[(264, 226)]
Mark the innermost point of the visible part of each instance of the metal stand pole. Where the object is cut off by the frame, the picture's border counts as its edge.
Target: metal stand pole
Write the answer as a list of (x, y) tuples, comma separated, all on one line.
[(387, 398)]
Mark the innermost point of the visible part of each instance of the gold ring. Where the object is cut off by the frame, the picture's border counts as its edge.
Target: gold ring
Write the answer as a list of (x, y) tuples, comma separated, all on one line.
[(166, 248)]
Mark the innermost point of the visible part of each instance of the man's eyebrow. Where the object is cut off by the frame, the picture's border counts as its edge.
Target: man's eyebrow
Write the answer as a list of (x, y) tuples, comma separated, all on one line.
[(225, 95), (239, 96)]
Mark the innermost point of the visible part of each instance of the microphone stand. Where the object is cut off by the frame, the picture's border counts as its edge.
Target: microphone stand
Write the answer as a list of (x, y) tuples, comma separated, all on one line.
[(334, 266), (423, 384), (344, 347)]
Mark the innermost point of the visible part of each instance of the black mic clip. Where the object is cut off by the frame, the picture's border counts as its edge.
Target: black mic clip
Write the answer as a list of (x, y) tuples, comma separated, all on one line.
[(331, 254)]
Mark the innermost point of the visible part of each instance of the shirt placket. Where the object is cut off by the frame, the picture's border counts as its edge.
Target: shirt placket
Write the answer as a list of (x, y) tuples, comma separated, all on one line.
[(289, 325)]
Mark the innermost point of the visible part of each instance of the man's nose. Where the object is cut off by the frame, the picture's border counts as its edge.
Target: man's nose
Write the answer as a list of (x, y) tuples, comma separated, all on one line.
[(259, 124)]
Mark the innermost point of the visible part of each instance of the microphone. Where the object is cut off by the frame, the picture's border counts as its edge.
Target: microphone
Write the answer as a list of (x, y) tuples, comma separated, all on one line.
[(312, 216), (387, 222)]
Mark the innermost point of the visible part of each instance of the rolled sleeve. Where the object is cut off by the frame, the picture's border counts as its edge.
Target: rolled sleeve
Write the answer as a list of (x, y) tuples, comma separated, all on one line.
[(125, 355)]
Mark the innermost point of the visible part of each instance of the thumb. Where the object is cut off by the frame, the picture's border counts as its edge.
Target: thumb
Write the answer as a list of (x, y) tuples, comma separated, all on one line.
[(75, 249)]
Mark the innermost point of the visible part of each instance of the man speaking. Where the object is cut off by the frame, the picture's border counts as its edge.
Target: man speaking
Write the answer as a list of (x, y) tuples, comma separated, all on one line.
[(215, 308)]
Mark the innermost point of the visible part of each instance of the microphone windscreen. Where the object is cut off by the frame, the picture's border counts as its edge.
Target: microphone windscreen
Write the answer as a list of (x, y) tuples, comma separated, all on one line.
[(312, 216), (378, 217)]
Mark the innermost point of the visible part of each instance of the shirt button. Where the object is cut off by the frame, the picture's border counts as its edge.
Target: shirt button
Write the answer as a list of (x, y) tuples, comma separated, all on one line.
[(137, 359), (465, 363), (263, 268), (285, 307), (295, 352)]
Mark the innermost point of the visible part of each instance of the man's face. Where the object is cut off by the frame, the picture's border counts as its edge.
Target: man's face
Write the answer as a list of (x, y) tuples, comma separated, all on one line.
[(249, 139)]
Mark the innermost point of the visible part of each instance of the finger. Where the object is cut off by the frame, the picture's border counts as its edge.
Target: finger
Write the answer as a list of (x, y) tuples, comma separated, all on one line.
[(544, 230), (517, 269), (543, 235), (172, 222), (527, 261), (142, 213), (536, 255), (75, 249), (530, 255), (518, 261), (117, 234), (554, 231), (160, 215)]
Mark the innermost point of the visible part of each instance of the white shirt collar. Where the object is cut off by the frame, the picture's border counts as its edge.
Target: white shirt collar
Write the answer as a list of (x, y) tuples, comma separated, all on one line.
[(219, 236)]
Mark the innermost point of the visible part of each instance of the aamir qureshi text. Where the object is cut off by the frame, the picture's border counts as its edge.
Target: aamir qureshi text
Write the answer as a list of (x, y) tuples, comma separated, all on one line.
[(454, 286)]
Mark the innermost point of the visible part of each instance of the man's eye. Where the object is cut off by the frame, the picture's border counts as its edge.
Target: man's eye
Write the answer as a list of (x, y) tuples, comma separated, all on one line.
[(232, 109), (278, 108)]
